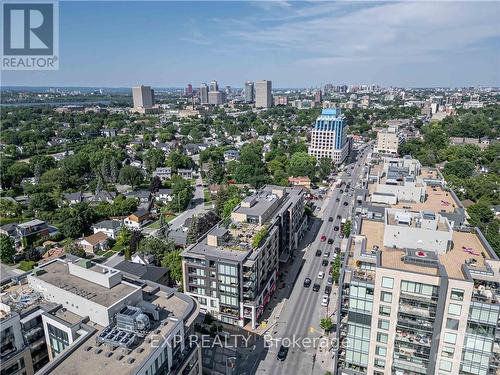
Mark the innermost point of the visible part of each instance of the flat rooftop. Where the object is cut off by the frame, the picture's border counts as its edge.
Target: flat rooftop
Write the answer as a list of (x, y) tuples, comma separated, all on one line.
[(437, 200), (391, 220), (57, 274), (174, 309), (466, 246)]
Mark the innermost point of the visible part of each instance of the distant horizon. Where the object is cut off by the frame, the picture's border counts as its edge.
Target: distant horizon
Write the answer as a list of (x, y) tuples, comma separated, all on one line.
[(292, 43)]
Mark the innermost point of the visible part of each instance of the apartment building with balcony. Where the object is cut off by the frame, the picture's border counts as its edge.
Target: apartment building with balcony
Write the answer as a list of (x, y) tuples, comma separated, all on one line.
[(418, 297), (232, 271), (79, 317)]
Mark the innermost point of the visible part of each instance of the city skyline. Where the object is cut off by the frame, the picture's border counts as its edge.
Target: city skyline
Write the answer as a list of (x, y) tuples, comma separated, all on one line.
[(293, 44)]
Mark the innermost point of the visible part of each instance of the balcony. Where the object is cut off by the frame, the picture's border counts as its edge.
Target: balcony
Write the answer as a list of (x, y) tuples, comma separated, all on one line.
[(417, 310), (413, 338)]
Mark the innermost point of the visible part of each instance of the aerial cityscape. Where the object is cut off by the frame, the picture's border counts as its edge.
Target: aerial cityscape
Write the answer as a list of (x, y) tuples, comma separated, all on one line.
[(250, 188)]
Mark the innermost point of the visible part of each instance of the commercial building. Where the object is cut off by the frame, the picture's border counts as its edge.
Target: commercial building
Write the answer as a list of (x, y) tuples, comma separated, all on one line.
[(417, 294), (329, 136), (143, 97), (249, 92), (204, 93), (215, 98), (85, 318), (263, 94), (232, 271)]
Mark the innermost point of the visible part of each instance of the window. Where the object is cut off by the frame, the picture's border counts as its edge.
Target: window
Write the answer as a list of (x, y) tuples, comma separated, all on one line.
[(454, 309), (448, 352), (450, 338), (383, 324), (386, 297), (381, 350), (452, 324), (457, 294), (387, 282), (445, 365), (384, 310), (380, 363), (382, 337)]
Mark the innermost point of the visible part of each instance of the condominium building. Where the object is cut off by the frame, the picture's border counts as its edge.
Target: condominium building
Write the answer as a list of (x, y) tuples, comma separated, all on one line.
[(329, 136), (204, 93), (388, 141), (232, 271), (416, 295), (215, 98), (75, 316), (143, 97), (263, 94), (249, 92)]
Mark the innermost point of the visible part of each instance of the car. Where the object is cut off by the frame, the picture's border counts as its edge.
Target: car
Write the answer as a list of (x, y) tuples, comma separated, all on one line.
[(323, 238), (330, 218), (337, 199), (326, 254), (341, 235), (339, 217), (324, 263), (341, 191), (318, 208), (307, 282), (330, 241), (316, 287), (325, 300), (337, 249), (329, 281), (282, 353), (328, 289), (345, 203), (336, 228), (321, 274), (318, 253)]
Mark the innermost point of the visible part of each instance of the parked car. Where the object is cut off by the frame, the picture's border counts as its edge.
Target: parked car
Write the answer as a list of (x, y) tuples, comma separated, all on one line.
[(328, 289), (321, 274), (325, 300), (282, 353), (307, 282), (326, 254), (336, 228), (329, 281), (324, 263)]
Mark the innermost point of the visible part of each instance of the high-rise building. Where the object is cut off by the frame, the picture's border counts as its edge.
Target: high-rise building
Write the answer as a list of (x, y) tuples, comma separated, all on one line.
[(388, 140), (329, 136), (318, 97), (215, 98), (143, 97), (263, 96), (232, 270), (214, 86), (188, 91), (204, 93), (249, 92), (420, 291)]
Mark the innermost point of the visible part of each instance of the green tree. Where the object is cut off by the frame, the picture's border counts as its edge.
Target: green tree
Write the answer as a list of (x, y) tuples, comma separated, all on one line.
[(156, 246), (302, 164), (130, 175), (461, 168), (173, 261), (154, 158), (326, 324), (325, 168), (7, 250), (75, 249), (42, 202)]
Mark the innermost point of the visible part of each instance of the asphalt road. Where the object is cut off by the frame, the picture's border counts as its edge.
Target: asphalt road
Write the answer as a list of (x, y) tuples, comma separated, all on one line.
[(301, 314)]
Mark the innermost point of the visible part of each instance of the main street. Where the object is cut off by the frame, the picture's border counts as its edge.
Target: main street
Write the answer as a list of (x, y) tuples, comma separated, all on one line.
[(301, 314)]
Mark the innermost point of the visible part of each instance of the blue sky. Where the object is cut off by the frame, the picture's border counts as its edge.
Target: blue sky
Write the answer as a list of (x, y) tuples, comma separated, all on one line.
[(295, 44)]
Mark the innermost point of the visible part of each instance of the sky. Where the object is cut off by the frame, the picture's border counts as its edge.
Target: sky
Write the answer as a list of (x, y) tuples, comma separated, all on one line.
[(292, 43)]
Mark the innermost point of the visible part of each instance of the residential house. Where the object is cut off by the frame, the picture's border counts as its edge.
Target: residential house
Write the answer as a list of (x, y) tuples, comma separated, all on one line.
[(142, 195), (108, 133), (185, 173), (109, 227), (137, 220), (143, 258), (231, 155), (164, 195), (94, 243), (27, 232), (303, 181), (164, 173)]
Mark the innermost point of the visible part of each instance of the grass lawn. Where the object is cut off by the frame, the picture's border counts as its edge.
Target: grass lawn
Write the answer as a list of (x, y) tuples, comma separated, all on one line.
[(108, 253), (207, 196)]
